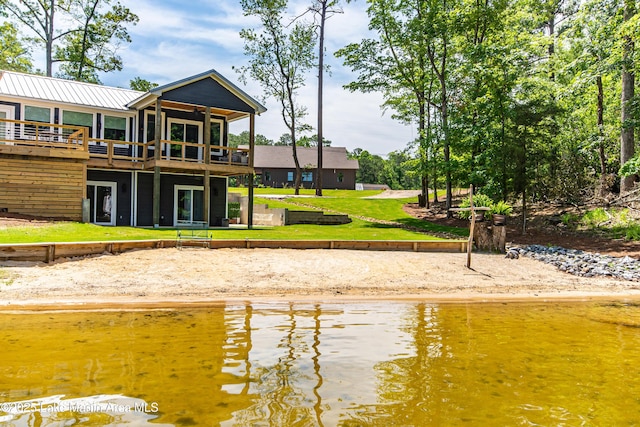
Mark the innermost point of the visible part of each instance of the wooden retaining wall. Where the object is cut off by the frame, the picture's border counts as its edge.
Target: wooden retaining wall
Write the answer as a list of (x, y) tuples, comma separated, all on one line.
[(51, 188), (48, 252)]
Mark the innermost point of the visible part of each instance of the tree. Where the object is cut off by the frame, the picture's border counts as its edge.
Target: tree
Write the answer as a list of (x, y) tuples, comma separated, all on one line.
[(93, 46), (627, 141), (88, 37), (323, 10), (414, 50), (370, 166), (280, 54), (243, 139), (142, 85), (14, 56)]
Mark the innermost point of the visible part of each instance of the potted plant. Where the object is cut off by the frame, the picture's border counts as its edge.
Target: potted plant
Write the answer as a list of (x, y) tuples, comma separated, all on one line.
[(499, 212), (233, 212), (479, 200)]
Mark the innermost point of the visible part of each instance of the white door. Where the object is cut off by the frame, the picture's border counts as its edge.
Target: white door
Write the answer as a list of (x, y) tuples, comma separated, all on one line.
[(188, 204), (184, 131), (6, 128), (102, 202)]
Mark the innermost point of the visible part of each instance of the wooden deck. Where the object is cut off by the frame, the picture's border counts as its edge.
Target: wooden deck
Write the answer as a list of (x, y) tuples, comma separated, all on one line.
[(48, 252), (34, 139)]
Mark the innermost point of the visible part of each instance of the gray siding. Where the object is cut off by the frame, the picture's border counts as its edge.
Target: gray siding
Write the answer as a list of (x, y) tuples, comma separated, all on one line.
[(218, 198)]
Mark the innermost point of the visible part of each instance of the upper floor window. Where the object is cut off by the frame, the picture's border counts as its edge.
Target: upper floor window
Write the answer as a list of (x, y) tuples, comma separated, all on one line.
[(37, 114), (76, 118), (115, 128)]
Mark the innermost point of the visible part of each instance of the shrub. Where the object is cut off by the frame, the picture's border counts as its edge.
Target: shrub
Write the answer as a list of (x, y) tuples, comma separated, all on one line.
[(479, 200), (501, 208), (233, 210)]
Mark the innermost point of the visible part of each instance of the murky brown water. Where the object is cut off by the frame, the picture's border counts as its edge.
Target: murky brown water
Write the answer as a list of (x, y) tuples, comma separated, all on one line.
[(348, 364)]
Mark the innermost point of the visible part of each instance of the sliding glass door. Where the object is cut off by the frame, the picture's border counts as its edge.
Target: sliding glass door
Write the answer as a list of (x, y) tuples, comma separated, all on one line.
[(102, 202), (188, 204)]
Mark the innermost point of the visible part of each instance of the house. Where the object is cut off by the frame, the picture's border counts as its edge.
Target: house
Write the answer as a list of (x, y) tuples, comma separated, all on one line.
[(276, 168), (115, 156)]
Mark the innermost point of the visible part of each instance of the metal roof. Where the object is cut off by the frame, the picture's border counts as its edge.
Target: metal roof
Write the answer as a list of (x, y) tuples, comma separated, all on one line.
[(65, 91)]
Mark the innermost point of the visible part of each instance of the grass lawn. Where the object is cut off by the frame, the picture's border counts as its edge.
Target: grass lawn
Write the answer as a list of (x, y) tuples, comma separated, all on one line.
[(344, 201)]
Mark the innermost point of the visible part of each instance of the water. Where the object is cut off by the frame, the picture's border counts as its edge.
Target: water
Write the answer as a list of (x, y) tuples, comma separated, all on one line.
[(305, 364)]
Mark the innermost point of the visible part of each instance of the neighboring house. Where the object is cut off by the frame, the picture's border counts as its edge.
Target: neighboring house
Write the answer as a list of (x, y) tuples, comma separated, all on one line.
[(274, 164), (121, 157)]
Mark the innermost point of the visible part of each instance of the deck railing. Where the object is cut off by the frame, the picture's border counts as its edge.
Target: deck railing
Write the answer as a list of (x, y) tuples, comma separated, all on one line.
[(38, 134), (29, 133)]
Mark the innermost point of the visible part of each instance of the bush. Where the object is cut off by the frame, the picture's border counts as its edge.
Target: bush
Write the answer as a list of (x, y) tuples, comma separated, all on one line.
[(501, 208), (233, 210), (479, 200)]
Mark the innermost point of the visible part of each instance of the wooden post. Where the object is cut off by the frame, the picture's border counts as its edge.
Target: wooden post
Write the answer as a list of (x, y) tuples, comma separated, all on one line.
[(207, 161), (252, 142), (471, 227), (156, 169)]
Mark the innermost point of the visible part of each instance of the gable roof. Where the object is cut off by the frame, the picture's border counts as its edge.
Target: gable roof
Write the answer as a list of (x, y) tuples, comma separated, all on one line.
[(210, 80), (37, 87), (208, 86), (281, 156)]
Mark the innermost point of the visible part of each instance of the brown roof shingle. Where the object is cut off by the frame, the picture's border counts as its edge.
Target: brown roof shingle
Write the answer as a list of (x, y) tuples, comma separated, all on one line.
[(281, 156)]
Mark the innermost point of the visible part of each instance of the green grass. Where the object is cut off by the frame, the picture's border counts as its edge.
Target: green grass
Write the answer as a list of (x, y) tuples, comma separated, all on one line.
[(610, 223), (344, 201)]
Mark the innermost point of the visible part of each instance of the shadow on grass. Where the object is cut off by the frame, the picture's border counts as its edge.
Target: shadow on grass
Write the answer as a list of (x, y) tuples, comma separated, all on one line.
[(431, 227), (418, 225)]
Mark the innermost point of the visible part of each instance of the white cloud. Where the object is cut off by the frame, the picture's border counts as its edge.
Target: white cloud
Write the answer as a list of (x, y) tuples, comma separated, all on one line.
[(178, 39)]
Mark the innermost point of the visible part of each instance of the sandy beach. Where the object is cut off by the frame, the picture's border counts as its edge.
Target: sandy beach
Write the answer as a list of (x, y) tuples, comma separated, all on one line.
[(192, 275)]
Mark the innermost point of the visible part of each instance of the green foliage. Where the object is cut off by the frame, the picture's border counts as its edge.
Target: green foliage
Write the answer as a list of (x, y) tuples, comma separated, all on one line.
[(233, 210), (14, 55), (81, 35), (632, 167), (501, 208), (594, 218), (479, 200), (143, 85)]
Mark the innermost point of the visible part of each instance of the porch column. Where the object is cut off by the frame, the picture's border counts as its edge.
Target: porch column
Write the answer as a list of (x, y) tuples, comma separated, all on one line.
[(252, 143), (207, 161), (156, 169)]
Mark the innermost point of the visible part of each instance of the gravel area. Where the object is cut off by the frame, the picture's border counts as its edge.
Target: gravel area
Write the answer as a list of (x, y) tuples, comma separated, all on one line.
[(581, 263)]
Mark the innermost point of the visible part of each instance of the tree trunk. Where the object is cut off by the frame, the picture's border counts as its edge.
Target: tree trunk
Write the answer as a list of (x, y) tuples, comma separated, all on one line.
[(601, 154), (323, 17), (628, 80), (48, 25)]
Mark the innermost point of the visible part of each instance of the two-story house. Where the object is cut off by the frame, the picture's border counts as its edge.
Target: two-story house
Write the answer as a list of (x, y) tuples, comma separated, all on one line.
[(115, 156)]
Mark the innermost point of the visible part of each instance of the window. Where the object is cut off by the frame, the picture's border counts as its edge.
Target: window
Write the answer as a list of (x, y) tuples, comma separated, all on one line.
[(307, 176), (290, 176), (340, 177), (150, 125), (36, 114), (267, 176), (75, 118), (216, 137), (115, 128)]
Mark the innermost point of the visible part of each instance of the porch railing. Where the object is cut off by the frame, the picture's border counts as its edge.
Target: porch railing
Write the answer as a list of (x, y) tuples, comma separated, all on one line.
[(29, 133), (38, 134)]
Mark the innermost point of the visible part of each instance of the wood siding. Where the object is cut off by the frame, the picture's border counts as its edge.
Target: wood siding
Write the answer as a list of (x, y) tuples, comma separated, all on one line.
[(42, 187)]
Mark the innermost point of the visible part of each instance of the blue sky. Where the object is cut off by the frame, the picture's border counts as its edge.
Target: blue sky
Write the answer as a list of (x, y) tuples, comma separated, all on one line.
[(176, 39)]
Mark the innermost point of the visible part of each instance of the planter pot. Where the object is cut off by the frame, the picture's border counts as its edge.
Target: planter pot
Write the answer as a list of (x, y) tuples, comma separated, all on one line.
[(499, 219), (480, 217)]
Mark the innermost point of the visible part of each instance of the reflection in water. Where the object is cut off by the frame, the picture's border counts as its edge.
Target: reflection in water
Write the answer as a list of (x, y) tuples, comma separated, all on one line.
[(324, 364)]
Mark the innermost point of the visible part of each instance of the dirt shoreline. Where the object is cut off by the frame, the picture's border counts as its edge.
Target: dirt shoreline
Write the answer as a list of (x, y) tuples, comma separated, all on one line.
[(171, 278)]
